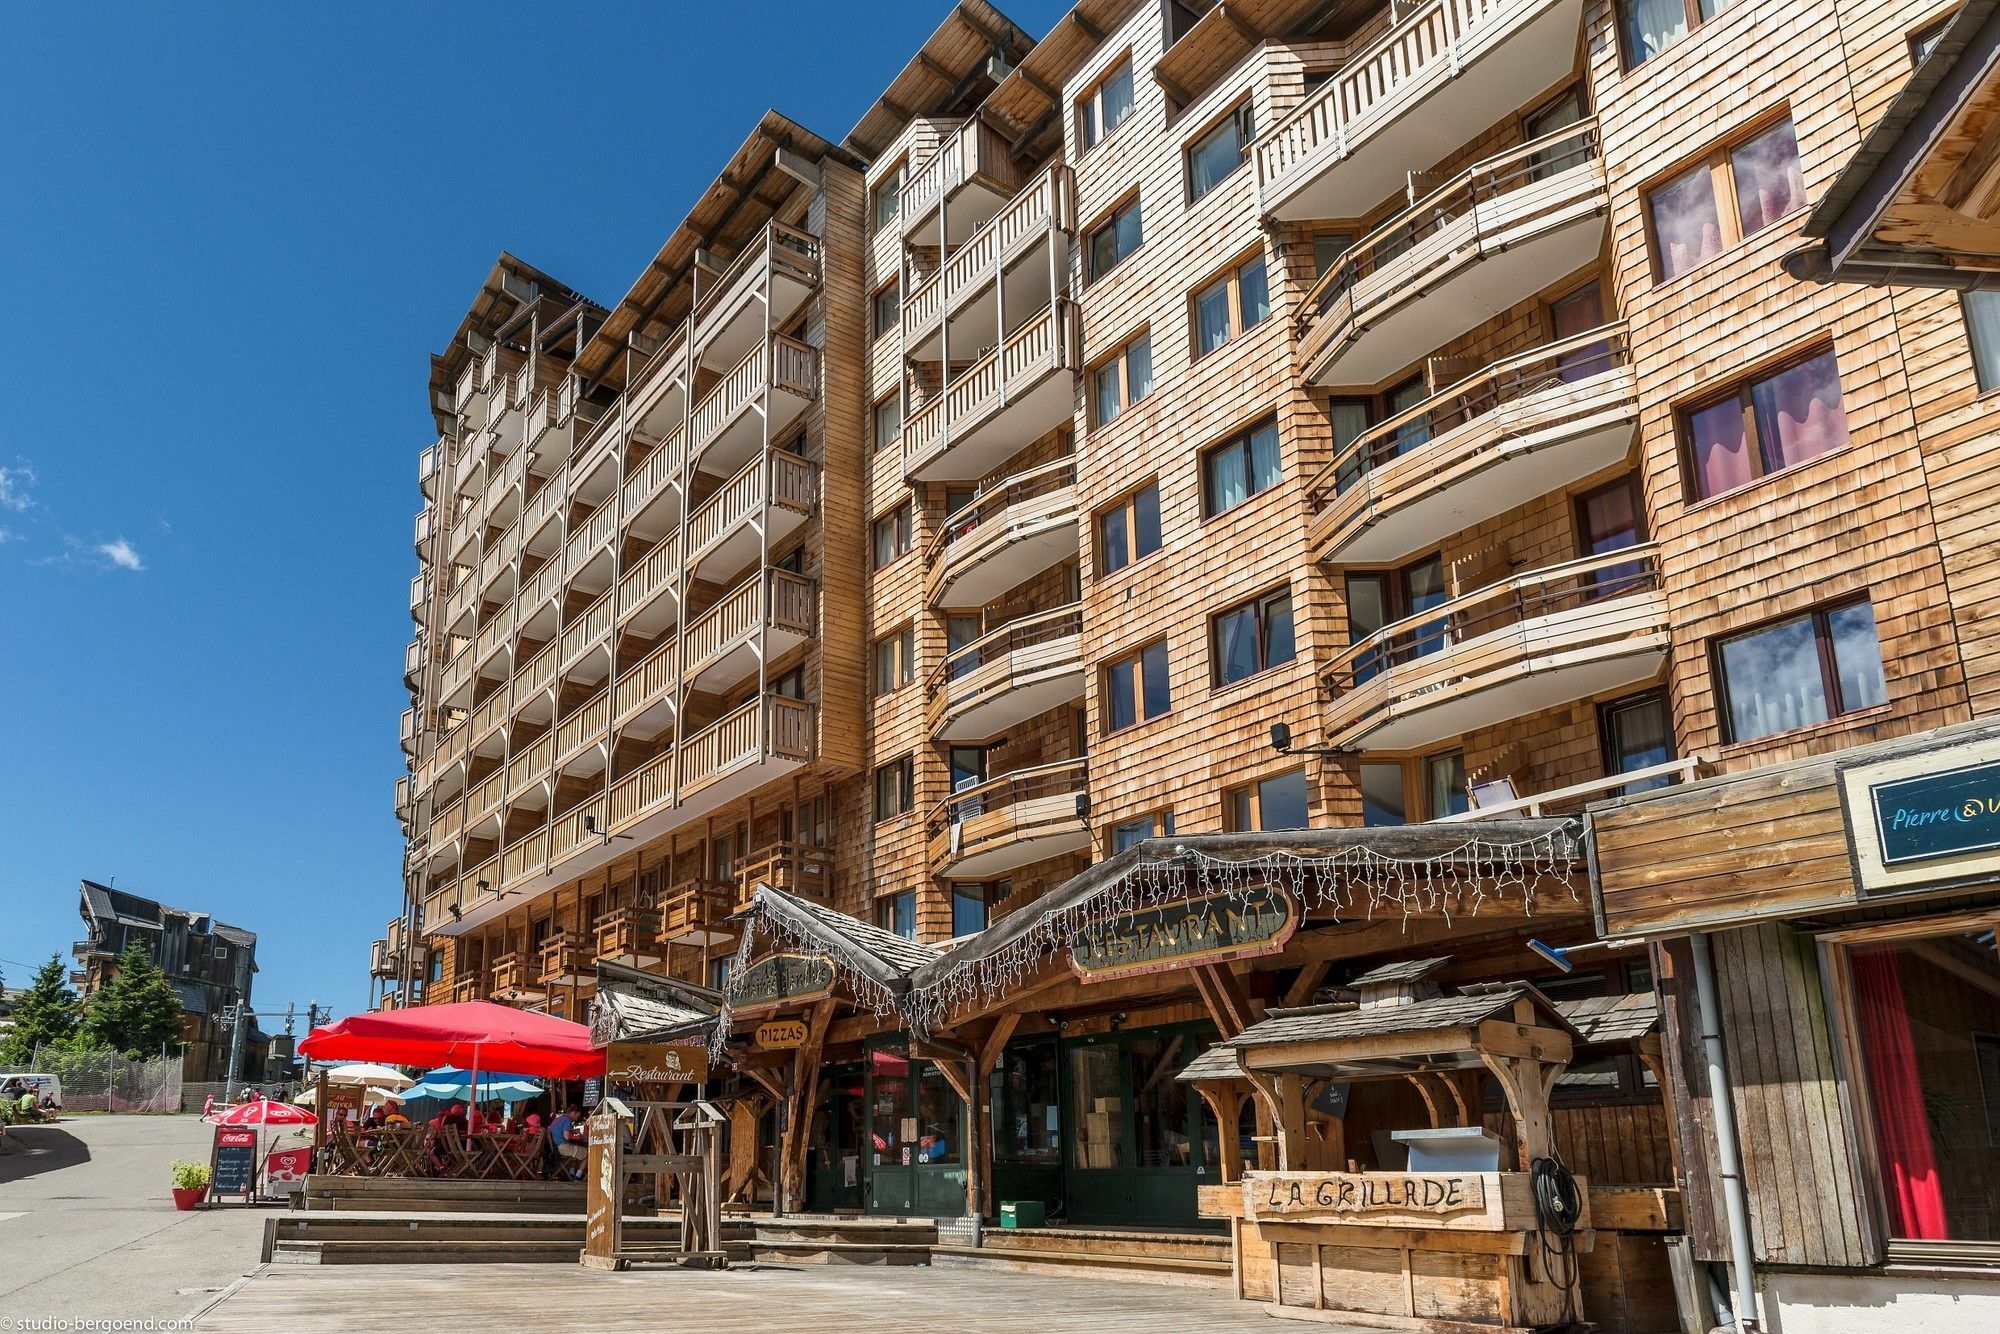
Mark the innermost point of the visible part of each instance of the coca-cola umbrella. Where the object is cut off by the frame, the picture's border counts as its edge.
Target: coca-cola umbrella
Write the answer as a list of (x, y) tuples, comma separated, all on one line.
[(260, 1112)]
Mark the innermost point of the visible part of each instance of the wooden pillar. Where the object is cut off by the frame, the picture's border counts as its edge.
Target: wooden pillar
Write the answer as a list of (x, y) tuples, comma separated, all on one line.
[(804, 1081), (979, 1201), (1225, 1104)]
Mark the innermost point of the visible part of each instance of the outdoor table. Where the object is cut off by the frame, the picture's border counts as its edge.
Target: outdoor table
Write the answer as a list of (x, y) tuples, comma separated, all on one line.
[(398, 1151)]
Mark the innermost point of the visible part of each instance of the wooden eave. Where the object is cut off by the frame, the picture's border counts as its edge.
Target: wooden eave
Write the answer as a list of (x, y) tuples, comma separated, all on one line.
[(746, 195), (492, 310), (945, 76), (1222, 37), (1919, 202), (1026, 104)]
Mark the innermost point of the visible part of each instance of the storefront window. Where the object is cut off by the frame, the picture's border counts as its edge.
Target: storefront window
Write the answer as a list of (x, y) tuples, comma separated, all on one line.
[(1027, 1116), (1927, 1019), (887, 1110), (1093, 1082), (937, 1118), (1159, 1101)]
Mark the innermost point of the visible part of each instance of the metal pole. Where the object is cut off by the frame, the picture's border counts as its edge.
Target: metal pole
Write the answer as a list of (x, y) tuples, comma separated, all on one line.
[(235, 1049), (1735, 1202)]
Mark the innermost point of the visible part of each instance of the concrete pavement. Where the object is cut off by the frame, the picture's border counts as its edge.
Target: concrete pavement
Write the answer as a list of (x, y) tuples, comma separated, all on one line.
[(88, 1229)]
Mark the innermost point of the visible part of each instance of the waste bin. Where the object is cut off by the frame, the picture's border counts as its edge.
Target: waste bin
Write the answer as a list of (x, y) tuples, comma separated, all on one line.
[(1023, 1213)]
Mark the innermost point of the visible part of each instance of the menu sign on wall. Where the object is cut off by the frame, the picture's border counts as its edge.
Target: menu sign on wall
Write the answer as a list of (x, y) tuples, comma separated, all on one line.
[(1924, 819)]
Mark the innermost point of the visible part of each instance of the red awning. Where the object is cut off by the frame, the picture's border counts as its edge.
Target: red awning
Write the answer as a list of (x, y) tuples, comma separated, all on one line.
[(468, 1034)]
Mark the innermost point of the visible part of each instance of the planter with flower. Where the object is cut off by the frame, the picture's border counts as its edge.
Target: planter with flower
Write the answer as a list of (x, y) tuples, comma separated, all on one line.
[(190, 1184)]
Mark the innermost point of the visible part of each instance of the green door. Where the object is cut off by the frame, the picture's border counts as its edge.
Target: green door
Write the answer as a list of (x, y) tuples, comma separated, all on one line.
[(834, 1155), (1139, 1141), (915, 1151)]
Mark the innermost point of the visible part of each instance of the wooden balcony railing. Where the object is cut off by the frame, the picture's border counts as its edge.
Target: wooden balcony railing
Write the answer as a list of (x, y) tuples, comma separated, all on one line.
[(1045, 204), (796, 868), (1044, 344), (524, 857), (1027, 501), (542, 506), (1575, 796), (510, 974), (644, 790), (790, 365), (696, 910), (1013, 807), (974, 152), (590, 536), (652, 678), (535, 677), (587, 630), (782, 248), (588, 724), (772, 598), (660, 468), (654, 573), (627, 935), (486, 796), (733, 740), (564, 956), (789, 480), (1022, 650), (581, 825)]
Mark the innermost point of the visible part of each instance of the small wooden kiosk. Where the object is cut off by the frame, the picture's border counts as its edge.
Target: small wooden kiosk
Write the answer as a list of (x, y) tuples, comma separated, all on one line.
[(1384, 1230)]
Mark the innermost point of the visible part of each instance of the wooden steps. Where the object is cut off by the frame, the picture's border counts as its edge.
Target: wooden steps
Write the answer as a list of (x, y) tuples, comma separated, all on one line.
[(1191, 1259), (842, 1240), (396, 1194)]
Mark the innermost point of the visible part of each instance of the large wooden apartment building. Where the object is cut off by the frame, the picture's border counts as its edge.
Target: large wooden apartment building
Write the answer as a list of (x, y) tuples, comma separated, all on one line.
[(1209, 419)]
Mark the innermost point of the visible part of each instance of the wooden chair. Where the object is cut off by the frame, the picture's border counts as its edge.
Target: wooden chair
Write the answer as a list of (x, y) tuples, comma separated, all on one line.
[(447, 1154), (399, 1151), (519, 1155)]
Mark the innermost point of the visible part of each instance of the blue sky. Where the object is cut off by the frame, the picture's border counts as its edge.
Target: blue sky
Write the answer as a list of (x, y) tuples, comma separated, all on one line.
[(230, 237)]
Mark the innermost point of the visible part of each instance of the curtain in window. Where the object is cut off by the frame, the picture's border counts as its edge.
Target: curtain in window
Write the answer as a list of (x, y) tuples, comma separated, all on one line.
[(1773, 680), (1236, 634), (1902, 1125), (1139, 370), (1651, 26), (1227, 484), (1769, 183), (1857, 656), (1721, 448), (1264, 456), (1687, 227), (1211, 312), (1799, 416)]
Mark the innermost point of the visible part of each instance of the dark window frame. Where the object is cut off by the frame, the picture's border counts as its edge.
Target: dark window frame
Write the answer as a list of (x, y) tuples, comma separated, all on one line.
[(1240, 437), (1231, 281), (1120, 358), (901, 772), (1743, 389), (1242, 118), (1260, 606), (892, 293), (1108, 223), (1829, 667), (902, 541)]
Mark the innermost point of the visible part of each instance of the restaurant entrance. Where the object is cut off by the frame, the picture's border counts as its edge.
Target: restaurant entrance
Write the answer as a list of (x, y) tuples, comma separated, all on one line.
[(835, 1157), (916, 1140), (1139, 1144)]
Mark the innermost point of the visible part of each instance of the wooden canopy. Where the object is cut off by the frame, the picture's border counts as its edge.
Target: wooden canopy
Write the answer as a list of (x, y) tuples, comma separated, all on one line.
[(635, 1006), (511, 288), (974, 48)]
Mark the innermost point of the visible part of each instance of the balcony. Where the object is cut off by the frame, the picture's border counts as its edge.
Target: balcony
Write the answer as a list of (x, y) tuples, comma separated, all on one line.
[(428, 464), (630, 936), (1007, 676), (963, 182), (1571, 799), (649, 593), (525, 857), (407, 731), (644, 697), (641, 792), (566, 959), (764, 503), (513, 979), (583, 738), (770, 278), (1520, 429), (1009, 822), (413, 664), (764, 617), (1011, 532), (1021, 252), (653, 491), (1435, 80), (1525, 644), (797, 868), (468, 986), (758, 399), (1010, 397), (425, 529), (591, 539), (745, 748), (583, 635), (696, 912), (1489, 238)]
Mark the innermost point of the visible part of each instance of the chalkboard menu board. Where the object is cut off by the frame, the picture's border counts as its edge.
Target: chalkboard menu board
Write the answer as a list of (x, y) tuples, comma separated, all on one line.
[(593, 1092), (233, 1161)]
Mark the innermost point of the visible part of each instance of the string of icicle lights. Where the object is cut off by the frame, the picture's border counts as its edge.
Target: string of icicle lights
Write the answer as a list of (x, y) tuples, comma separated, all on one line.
[(781, 934), (1356, 880)]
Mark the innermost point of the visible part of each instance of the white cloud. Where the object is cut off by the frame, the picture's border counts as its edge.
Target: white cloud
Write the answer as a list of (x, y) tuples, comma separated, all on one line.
[(14, 486), (120, 553)]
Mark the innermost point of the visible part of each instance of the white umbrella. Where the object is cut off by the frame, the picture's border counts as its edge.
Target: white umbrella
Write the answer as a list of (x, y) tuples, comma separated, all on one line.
[(364, 1072)]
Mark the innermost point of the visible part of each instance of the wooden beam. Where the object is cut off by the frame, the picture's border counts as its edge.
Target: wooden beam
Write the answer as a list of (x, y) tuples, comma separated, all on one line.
[(1306, 984)]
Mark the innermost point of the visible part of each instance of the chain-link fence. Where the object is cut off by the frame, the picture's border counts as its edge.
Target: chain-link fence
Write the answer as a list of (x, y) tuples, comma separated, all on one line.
[(195, 1097), (107, 1082)]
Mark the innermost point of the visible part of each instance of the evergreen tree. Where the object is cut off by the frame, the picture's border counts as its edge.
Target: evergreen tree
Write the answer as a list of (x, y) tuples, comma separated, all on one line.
[(44, 1016), (138, 1011)]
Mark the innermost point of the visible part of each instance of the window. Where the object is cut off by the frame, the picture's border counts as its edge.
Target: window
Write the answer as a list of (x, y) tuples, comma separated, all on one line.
[(1649, 27), (1113, 239), (1253, 637), (718, 972), (1135, 687), (1637, 735), (888, 308), (1571, 317), (972, 907), (1153, 824), (1924, 1017), (1277, 802), (1129, 530), (1444, 786), (1124, 378), (1571, 150), (1229, 305), (1801, 671), (888, 421), (1734, 193), (1982, 334), (895, 788), (1105, 107), (1377, 599), (1764, 425), (892, 535), (895, 660), (897, 914), (1610, 519), (1383, 801), (1211, 158), (791, 685), (1926, 37), (889, 195), (1240, 467)]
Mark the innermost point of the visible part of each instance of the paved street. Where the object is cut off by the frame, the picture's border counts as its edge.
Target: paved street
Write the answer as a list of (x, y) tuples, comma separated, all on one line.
[(88, 1229)]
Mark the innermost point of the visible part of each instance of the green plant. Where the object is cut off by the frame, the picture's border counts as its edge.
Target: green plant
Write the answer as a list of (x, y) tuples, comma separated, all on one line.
[(190, 1176), (6, 1112)]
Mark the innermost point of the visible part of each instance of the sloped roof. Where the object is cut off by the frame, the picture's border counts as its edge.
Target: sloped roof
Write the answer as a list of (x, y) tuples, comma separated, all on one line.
[(885, 957), (1331, 1023), (102, 903), (496, 306), (945, 75), (1604, 1020), (633, 1006), (1401, 970), (1218, 1062)]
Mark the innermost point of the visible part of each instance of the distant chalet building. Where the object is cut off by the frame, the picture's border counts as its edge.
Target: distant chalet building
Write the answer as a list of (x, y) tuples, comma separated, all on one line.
[(210, 963)]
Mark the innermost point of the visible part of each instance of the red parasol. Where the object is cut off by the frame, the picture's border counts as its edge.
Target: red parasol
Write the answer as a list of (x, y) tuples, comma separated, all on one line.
[(262, 1111), (478, 1035)]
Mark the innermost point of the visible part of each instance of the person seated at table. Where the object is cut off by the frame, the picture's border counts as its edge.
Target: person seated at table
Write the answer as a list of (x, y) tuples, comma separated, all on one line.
[(478, 1119), (375, 1119), (454, 1117), (566, 1133), (396, 1118)]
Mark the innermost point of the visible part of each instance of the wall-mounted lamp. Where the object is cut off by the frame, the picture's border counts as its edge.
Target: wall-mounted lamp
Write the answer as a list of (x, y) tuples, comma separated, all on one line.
[(483, 886), (590, 827), (456, 915), (1281, 741)]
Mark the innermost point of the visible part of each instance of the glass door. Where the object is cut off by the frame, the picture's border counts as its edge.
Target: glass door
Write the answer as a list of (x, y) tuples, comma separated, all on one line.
[(834, 1153), (892, 1133), (1138, 1142)]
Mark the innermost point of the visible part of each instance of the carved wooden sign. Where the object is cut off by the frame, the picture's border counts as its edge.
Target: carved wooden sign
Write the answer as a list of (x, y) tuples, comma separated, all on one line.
[(1375, 1196), (781, 1034), (600, 1225), (781, 979), (1241, 925), (628, 1064)]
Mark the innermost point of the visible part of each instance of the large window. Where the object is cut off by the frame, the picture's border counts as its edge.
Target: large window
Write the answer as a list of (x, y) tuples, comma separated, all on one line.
[(888, 307), (895, 788), (1154, 824), (1766, 424), (1377, 599), (1218, 153), (1240, 467), (1637, 735), (1277, 802), (895, 660), (1135, 687), (897, 913), (1113, 239), (1229, 305), (1648, 27), (1732, 194), (889, 196), (1026, 1099), (1129, 529), (1252, 637), (1384, 801), (1924, 1014), (1121, 380), (888, 421), (971, 908), (1444, 785), (892, 535), (1982, 333), (1801, 671), (1105, 107)]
